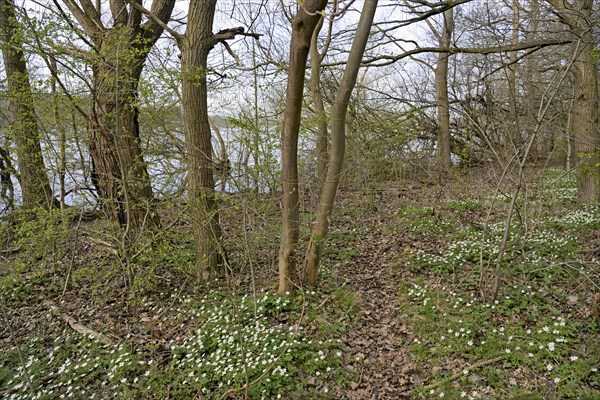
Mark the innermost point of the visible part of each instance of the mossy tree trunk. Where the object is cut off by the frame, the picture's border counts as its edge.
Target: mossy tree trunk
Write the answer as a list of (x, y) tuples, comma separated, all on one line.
[(35, 185)]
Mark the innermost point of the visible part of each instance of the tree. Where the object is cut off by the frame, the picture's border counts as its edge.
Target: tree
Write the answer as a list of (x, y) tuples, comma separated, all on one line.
[(303, 26), (338, 139), (577, 15), (441, 90), (195, 45), (35, 185), (314, 83), (117, 55), (7, 192)]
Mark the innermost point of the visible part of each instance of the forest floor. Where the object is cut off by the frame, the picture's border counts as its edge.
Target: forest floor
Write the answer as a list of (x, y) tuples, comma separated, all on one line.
[(406, 306)]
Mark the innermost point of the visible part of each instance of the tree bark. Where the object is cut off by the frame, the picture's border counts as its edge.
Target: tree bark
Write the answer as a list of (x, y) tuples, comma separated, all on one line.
[(441, 90), (514, 134), (530, 79), (303, 26), (586, 138), (338, 139), (35, 185), (314, 85), (119, 170), (585, 124), (119, 167), (195, 46), (7, 191)]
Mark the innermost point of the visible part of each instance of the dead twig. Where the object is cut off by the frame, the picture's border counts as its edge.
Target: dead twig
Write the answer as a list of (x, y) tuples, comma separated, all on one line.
[(10, 251)]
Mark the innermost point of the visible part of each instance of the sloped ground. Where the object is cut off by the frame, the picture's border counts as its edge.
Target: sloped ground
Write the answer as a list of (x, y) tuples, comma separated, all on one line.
[(400, 256), (411, 243)]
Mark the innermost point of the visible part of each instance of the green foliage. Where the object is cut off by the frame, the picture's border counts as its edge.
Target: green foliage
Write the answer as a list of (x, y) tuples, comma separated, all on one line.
[(39, 240), (422, 220), (346, 299), (262, 171), (235, 341), (465, 205), (535, 253), (455, 329), (40, 233), (496, 349), (586, 218), (71, 366), (171, 252), (558, 186), (339, 245), (336, 319)]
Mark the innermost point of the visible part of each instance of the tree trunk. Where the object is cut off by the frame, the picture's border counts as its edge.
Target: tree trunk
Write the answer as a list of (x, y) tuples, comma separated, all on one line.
[(117, 58), (62, 137), (303, 26), (514, 134), (338, 139), (314, 85), (531, 92), (569, 134), (585, 123), (441, 90), (35, 185), (119, 167), (7, 191), (586, 139), (195, 46)]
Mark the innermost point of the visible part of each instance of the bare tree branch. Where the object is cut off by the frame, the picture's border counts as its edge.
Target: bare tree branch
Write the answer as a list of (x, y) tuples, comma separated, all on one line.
[(91, 25), (155, 19), (231, 33), (91, 12), (162, 10), (391, 59)]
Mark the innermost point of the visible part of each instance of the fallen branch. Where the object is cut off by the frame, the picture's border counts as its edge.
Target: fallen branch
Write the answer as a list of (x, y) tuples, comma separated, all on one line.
[(461, 373), (101, 242), (84, 330)]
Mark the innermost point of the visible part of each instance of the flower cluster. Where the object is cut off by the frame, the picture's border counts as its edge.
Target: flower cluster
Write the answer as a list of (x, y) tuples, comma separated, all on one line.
[(241, 342), (462, 331), (588, 216), (237, 340)]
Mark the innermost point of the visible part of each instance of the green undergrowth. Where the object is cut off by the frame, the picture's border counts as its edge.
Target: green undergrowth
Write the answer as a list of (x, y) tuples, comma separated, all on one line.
[(341, 246), (260, 346), (537, 339), (423, 221), (558, 186), (29, 237), (519, 344), (540, 253)]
